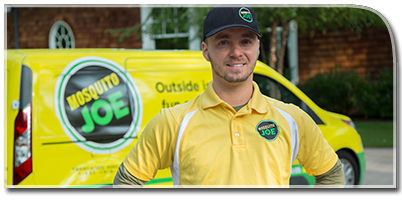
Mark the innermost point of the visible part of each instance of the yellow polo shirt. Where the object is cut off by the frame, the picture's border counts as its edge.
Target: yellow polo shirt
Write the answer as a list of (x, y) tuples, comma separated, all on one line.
[(205, 142)]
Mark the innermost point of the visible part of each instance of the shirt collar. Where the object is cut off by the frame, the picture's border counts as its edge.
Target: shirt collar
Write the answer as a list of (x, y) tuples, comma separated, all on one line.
[(210, 98), (257, 101)]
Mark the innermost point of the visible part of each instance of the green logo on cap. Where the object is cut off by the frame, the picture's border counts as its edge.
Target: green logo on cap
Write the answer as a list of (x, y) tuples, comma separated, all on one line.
[(245, 14)]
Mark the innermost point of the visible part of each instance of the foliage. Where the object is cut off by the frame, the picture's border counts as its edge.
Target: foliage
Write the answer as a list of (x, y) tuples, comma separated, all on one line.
[(327, 18), (376, 98), (385, 88), (196, 18), (333, 91), (340, 91)]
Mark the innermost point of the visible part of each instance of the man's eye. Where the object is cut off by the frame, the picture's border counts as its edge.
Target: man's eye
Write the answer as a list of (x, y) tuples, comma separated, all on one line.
[(246, 42), (222, 43)]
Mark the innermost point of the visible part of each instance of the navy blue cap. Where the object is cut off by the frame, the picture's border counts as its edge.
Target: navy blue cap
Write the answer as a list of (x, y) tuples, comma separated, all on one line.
[(221, 18)]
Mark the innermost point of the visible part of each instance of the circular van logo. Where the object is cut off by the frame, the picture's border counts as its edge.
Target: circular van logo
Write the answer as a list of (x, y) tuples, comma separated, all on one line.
[(268, 129), (98, 104)]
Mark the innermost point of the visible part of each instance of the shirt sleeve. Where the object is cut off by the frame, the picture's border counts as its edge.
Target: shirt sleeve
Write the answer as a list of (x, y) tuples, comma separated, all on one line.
[(154, 149), (335, 176), (315, 154), (124, 179)]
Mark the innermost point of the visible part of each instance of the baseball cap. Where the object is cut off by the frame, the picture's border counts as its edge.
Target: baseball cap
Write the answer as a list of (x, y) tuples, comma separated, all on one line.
[(224, 17)]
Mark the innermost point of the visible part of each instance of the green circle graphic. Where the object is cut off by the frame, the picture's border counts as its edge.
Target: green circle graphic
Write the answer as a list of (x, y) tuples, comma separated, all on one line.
[(135, 100)]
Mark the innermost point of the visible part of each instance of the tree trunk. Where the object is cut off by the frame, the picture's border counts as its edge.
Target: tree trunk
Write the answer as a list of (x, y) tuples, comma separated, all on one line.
[(284, 40), (262, 53), (272, 48)]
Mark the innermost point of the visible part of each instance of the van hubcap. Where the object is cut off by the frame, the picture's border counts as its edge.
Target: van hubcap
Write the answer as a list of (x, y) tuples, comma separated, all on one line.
[(349, 172)]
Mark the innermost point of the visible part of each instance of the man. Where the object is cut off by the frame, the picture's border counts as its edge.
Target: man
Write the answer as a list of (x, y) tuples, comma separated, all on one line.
[(231, 135)]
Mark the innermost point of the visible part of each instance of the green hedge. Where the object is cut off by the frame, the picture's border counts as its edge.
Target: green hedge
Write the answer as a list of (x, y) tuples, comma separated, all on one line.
[(341, 92)]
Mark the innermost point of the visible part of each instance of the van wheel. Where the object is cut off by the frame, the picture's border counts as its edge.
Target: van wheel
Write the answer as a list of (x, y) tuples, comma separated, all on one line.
[(350, 167)]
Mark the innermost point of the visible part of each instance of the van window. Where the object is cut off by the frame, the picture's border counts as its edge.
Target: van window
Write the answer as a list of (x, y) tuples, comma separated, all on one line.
[(275, 90)]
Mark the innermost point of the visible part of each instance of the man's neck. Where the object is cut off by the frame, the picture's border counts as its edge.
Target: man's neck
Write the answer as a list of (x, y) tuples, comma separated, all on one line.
[(234, 94)]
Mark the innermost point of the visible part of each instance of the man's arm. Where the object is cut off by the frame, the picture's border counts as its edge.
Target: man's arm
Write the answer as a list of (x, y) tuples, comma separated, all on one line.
[(154, 150), (335, 176), (124, 179)]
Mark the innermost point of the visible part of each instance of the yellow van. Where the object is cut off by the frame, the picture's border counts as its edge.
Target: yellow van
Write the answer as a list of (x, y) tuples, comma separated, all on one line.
[(73, 115)]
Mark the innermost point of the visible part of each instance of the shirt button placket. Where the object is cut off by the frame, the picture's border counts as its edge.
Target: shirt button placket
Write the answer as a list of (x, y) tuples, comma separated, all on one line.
[(237, 134), (237, 138)]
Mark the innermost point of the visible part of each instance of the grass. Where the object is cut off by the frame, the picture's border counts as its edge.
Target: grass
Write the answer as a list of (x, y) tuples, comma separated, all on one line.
[(375, 133)]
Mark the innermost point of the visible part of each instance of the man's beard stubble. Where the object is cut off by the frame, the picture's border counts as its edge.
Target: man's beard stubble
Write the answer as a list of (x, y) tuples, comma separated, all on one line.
[(227, 77)]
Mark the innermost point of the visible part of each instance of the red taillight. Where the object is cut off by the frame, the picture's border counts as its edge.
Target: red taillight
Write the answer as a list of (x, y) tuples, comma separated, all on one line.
[(21, 124), (347, 122), (22, 145), (350, 123)]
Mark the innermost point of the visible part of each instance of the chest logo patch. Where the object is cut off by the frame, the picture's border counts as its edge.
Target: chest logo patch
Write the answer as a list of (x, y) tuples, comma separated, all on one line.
[(268, 130)]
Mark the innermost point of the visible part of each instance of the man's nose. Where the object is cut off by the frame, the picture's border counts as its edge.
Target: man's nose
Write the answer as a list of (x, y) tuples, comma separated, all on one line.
[(236, 51)]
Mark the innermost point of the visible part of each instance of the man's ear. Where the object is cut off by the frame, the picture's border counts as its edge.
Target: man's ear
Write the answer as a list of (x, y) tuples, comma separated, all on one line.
[(204, 48)]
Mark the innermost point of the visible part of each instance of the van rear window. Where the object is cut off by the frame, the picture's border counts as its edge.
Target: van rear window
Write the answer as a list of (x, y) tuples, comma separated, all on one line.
[(25, 86)]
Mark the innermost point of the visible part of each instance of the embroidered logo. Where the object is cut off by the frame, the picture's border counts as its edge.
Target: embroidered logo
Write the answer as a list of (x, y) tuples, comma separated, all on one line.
[(268, 129), (245, 14)]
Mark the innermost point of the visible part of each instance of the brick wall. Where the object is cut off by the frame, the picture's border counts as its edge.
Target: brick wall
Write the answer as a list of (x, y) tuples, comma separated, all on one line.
[(87, 23), (368, 53)]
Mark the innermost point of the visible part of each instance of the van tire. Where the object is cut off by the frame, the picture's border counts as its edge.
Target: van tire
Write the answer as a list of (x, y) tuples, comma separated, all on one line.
[(350, 167)]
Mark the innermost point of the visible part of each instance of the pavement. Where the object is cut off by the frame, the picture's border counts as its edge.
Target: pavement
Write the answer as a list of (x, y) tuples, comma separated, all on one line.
[(381, 171)]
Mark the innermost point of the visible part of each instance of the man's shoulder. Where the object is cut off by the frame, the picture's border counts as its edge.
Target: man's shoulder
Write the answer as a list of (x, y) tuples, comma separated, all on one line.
[(173, 115), (180, 110)]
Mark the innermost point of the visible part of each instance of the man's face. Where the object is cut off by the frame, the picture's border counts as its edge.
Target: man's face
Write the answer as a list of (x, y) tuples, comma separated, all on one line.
[(233, 54)]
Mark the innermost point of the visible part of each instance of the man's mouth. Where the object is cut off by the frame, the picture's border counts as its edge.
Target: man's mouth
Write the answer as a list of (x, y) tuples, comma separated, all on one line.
[(235, 65)]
